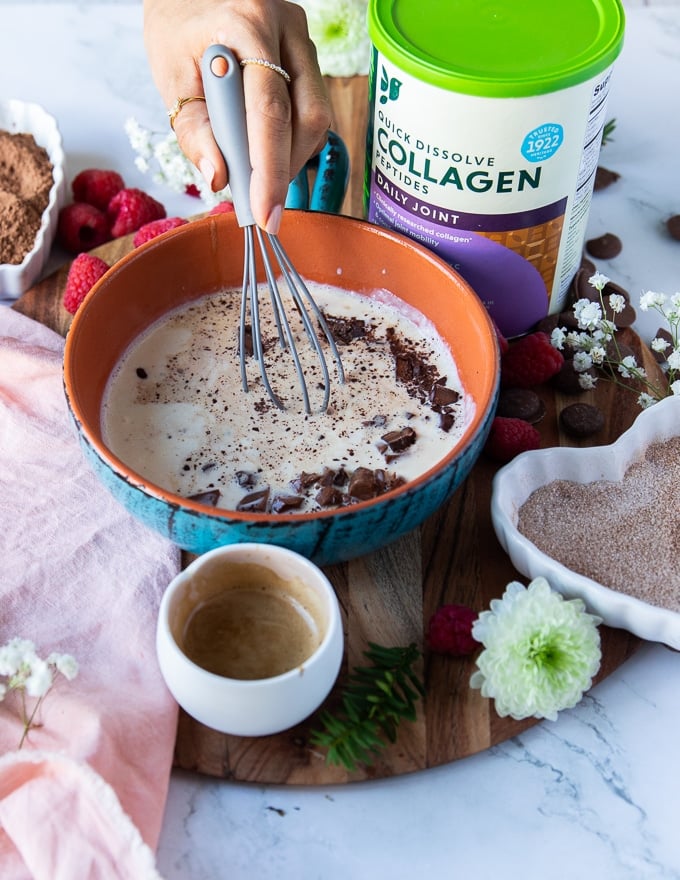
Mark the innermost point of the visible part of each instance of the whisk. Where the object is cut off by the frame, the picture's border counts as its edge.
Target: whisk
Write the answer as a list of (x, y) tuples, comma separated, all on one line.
[(226, 108)]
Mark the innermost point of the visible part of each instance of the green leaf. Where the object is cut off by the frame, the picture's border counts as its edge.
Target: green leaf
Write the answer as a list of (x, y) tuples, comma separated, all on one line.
[(376, 699)]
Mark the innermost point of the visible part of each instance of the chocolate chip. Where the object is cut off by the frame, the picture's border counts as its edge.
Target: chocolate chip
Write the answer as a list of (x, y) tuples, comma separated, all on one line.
[(255, 502), (521, 403), (363, 484), (673, 226), (446, 421), (443, 396), (141, 373), (605, 247), (329, 496), (604, 177), (282, 503), (304, 481), (210, 497), (581, 420), (246, 479), (345, 330), (398, 441)]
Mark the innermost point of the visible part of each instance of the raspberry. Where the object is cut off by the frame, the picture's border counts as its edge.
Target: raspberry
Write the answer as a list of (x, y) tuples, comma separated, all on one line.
[(450, 630), (192, 190), (530, 361), (156, 227), (82, 227), (131, 208), (84, 272), (509, 436), (223, 208), (96, 187)]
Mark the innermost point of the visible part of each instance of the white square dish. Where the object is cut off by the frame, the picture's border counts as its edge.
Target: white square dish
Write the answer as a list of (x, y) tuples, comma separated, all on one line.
[(515, 482), (20, 116)]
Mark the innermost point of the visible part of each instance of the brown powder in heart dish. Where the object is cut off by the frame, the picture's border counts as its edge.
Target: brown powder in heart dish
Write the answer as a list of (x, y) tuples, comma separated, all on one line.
[(25, 183), (623, 534)]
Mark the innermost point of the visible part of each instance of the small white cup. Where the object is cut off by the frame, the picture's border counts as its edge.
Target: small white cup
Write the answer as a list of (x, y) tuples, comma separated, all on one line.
[(222, 605)]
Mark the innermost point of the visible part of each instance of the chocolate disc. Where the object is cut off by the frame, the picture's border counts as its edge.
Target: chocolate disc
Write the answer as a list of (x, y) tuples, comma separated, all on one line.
[(605, 247), (581, 420)]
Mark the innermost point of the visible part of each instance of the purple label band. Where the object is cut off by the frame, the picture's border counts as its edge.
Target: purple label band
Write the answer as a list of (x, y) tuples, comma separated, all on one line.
[(510, 287)]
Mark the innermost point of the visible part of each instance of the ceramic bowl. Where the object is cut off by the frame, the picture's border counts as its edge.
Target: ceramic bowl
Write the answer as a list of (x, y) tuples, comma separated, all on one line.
[(515, 482), (206, 255), (19, 116), (257, 705)]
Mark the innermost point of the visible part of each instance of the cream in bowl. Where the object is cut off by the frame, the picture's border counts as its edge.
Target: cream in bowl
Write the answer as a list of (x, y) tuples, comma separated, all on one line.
[(600, 523), (250, 639)]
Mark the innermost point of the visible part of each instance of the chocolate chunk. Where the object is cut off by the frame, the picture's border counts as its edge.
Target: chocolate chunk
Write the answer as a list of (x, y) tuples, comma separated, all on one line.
[(673, 226), (446, 421), (588, 266), (246, 479), (364, 484), (304, 481), (329, 496), (567, 380), (255, 502), (210, 497), (398, 441), (443, 396), (605, 247), (376, 422), (248, 339), (604, 177), (282, 503), (521, 403), (344, 330), (581, 420), (141, 373)]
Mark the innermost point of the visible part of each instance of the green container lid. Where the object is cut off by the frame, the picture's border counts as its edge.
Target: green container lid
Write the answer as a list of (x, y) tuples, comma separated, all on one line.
[(498, 48)]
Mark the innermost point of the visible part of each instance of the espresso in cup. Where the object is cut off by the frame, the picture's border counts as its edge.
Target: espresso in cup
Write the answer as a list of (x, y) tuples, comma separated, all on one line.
[(252, 623), (249, 638)]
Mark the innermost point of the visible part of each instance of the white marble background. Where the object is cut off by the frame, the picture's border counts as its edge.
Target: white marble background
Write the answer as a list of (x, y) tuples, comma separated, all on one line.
[(595, 795)]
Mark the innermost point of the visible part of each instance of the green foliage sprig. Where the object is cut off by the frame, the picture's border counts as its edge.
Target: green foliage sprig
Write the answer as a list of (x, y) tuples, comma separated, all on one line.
[(374, 701), (607, 131)]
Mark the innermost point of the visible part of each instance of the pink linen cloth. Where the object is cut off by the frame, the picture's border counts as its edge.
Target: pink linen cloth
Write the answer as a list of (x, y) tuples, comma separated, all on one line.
[(84, 797)]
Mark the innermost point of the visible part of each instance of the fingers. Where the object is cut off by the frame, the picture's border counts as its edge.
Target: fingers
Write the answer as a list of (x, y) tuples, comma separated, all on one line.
[(287, 123)]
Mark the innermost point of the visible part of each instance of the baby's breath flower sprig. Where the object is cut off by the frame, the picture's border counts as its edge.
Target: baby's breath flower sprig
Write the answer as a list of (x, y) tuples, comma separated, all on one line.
[(540, 654), (160, 154), (31, 676), (595, 343)]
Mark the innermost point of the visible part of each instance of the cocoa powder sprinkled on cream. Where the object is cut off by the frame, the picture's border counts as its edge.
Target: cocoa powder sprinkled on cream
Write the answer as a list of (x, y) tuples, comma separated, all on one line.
[(622, 534)]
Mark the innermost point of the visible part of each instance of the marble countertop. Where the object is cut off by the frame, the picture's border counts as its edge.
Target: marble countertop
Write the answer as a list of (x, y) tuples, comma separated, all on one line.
[(593, 795)]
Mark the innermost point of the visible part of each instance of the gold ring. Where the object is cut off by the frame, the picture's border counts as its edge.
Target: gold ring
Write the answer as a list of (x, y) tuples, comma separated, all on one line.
[(269, 65), (177, 106)]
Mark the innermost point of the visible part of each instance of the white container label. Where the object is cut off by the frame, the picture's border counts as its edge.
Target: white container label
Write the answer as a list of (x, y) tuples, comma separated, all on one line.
[(500, 188)]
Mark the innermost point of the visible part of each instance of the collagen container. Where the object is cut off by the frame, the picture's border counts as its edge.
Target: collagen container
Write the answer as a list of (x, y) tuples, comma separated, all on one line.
[(485, 127)]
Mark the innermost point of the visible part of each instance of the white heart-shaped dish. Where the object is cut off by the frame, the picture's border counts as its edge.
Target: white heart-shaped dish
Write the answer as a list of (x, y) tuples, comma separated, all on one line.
[(515, 482), (21, 116)]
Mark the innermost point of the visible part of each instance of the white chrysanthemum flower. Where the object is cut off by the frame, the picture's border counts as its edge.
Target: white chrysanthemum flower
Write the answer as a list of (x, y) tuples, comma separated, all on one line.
[(558, 337), (582, 361), (540, 651), (39, 681), (645, 400), (675, 387), (652, 300), (15, 654), (339, 31), (598, 281), (587, 381)]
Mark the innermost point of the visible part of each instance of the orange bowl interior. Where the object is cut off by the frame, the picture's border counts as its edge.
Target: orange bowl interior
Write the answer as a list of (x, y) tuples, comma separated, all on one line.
[(207, 254)]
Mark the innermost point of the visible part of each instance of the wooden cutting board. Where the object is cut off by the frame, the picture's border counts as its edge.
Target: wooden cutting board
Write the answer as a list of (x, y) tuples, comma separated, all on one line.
[(389, 596)]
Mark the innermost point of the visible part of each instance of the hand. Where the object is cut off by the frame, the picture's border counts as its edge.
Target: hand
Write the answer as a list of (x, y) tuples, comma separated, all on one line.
[(287, 123)]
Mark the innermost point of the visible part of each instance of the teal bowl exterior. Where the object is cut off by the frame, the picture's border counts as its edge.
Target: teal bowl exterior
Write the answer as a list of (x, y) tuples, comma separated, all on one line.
[(194, 258), (326, 538)]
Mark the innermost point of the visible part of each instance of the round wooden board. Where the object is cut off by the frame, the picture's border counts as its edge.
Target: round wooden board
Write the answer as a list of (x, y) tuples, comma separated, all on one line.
[(389, 596)]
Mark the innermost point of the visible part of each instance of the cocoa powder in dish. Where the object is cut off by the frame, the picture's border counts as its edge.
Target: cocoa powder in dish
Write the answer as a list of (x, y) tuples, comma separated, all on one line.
[(25, 183), (622, 534)]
